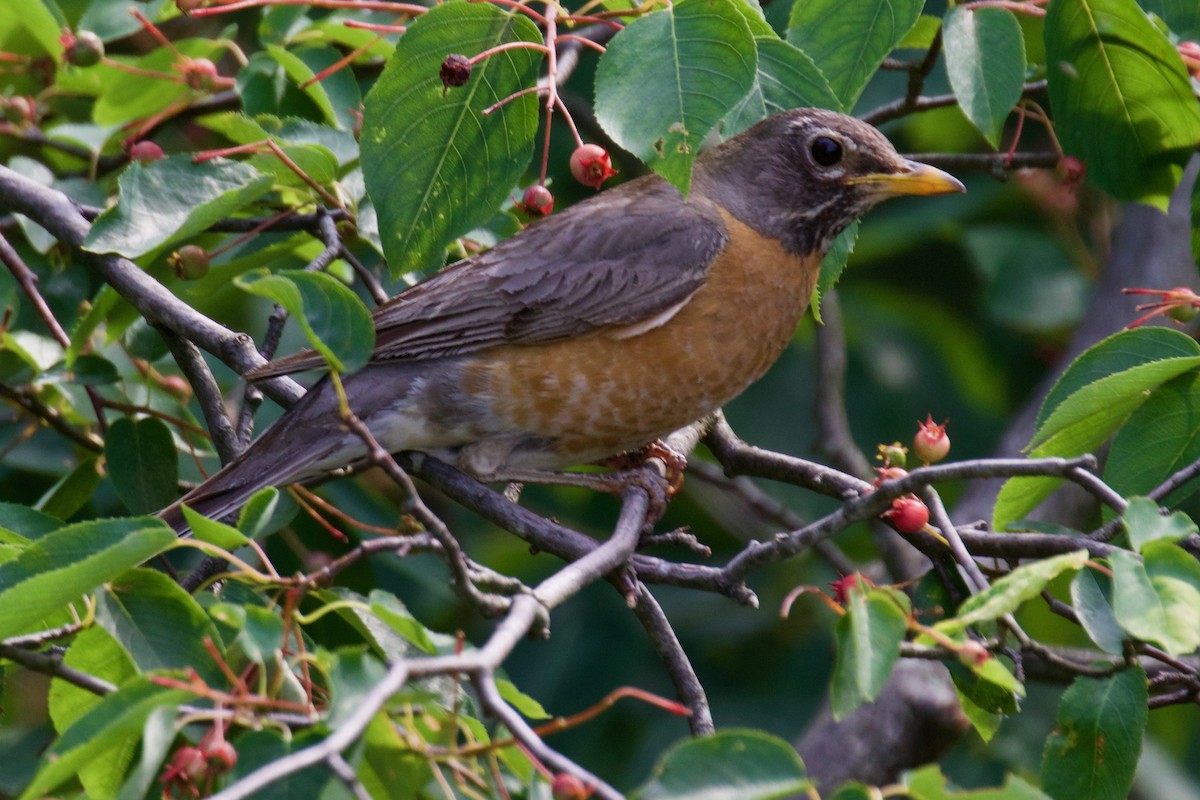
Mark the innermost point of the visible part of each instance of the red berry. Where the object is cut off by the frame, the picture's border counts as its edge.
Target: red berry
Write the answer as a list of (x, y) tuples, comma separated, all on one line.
[(456, 70), (82, 49), (567, 787), (888, 474), (24, 109), (1071, 171), (973, 654), (908, 514), (1190, 52), (190, 763), (201, 74), (844, 585), (189, 262), (144, 152), (537, 201), (176, 385), (591, 165), (221, 756), (931, 444)]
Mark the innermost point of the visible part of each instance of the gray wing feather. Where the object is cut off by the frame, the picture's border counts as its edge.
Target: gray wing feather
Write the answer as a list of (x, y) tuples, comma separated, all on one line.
[(616, 259)]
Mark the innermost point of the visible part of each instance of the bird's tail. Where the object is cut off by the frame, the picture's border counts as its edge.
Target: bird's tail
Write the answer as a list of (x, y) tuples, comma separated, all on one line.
[(311, 439), (306, 441)]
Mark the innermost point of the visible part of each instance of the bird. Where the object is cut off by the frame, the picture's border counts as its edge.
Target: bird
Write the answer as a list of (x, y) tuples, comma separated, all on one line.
[(596, 330)]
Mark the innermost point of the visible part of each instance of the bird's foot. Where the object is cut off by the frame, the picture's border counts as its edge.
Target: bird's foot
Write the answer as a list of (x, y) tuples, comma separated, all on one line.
[(673, 463), (661, 480)]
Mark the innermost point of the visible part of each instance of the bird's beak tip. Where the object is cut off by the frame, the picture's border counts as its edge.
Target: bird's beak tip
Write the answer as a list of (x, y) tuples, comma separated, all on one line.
[(913, 178)]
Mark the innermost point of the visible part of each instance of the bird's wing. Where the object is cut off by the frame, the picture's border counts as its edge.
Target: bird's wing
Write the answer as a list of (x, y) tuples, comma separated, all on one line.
[(620, 258)]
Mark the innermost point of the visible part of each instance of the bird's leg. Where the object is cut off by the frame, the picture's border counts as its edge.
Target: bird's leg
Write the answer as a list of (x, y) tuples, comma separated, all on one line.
[(629, 469), (673, 461)]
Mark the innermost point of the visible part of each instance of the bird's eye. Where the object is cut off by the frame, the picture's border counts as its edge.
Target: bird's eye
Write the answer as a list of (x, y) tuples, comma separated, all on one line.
[(826, 151)]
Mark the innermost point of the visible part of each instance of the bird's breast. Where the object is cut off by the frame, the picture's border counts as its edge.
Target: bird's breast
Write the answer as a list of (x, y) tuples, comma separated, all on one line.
[(616, 389)]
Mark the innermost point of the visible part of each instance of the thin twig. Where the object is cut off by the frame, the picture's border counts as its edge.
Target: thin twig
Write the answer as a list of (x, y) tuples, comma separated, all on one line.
[(687, 686), (51, 663)]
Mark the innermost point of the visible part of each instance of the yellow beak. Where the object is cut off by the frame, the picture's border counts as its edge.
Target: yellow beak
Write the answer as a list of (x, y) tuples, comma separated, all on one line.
[(912, 178)]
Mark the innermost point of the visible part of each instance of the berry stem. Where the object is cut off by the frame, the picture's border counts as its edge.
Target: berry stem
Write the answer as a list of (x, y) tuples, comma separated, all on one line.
[(519, 5), (583, 40), (153, 30), (341, 62), (500, 103), (500, 48), (364, 5), (375, 26), (145, 73), (1032, 8)]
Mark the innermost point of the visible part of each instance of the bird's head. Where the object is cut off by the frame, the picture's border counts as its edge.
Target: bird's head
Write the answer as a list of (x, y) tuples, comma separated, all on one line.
[(802, 176)]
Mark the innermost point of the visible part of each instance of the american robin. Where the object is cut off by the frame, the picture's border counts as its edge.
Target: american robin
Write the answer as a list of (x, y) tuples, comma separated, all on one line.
[(601, 328)]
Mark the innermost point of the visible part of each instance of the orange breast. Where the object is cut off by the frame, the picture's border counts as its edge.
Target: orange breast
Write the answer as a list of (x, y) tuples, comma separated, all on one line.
[(611, 391)]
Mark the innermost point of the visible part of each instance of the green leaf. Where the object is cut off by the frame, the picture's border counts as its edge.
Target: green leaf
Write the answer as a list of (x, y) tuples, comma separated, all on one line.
[(388, 608), (30, 24), (262, 634), (996, 673), (786, 78), (159, 623), (746, 764), (435, 166), (529, 708), (28, 522), (1094, 748), (922, 34), (983, 701), (1092, 413), (142, 463), (1121, 98), (266, 511), (1158, 601), (669, 77), (296, 66), (72, 491), (61, 566), (213, 531), (1097, 393), (928, 783), (1181, 16), (334, 320), (1008, 593), (1091, 597), (855, 791), (87, 370), (1145, 523), (110, 19), (260, 748), (170, 200), (313, 160), (868, 643), (848, 41), (1159, 438), (114, 721), (1117, 353), (158, 734), (353, 676), (985, 59), (833, 265), (94, 652)]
